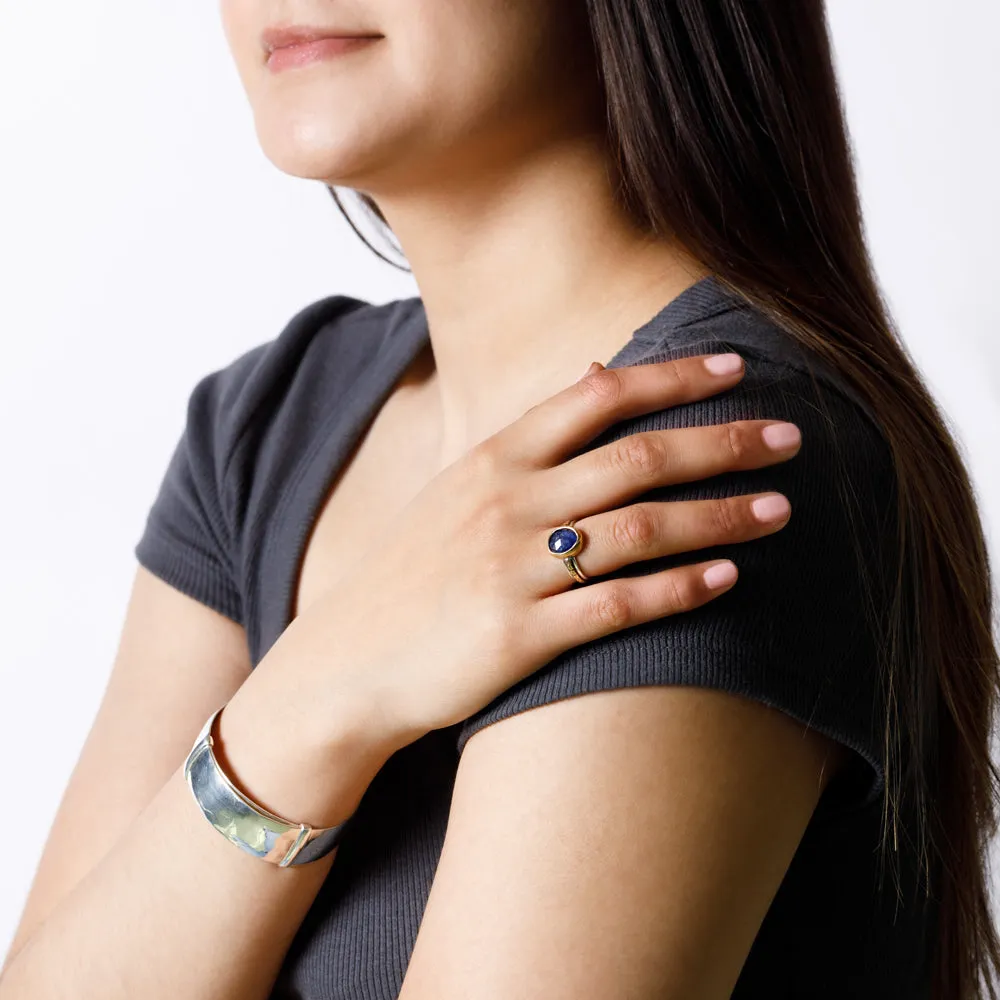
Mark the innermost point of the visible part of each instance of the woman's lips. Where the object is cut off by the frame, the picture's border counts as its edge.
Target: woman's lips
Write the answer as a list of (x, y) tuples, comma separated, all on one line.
[(320, 48)]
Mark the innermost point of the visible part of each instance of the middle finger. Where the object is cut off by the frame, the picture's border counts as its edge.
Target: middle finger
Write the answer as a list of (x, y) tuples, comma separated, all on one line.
[(606, 477)]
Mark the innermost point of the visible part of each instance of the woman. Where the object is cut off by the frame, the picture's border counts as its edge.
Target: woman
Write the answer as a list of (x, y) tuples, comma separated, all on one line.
[(775, 783)]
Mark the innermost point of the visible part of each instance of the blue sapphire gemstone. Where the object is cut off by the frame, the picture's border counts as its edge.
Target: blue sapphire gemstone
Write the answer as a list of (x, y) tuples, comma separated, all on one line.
[(562, 540)]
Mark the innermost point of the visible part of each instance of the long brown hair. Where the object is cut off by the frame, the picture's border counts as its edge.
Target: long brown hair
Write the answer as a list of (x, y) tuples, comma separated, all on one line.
[(728, 135)]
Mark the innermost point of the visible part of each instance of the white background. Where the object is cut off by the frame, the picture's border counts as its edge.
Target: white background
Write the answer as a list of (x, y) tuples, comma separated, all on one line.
[(145, 240)]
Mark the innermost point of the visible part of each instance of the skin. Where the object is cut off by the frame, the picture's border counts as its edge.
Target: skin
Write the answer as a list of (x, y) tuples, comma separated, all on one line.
[(621, 843), (476, 127)]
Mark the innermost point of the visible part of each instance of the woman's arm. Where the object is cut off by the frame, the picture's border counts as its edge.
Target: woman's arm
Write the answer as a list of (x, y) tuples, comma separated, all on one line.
[(137, 895), (623, 843)]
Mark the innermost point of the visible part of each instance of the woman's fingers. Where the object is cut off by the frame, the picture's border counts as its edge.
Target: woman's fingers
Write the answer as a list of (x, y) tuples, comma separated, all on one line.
[(597, 609), (609, 476), (561, 425), (642, 531)]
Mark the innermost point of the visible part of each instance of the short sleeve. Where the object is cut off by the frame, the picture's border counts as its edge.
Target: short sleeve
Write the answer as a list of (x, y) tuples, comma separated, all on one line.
[(799, 629), (190, 536)]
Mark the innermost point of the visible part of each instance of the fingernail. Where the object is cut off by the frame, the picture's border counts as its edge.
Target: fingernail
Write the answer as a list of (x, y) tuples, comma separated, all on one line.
[(719, 575), (781, 435), (595, 366), (770, 508), (723, 364)]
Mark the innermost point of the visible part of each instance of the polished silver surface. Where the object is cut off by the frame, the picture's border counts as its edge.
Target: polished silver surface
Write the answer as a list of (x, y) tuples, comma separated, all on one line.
[(243, 822)]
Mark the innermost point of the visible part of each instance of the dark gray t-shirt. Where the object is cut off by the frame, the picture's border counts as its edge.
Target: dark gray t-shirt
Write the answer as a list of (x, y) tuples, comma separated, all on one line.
[(263, 441)]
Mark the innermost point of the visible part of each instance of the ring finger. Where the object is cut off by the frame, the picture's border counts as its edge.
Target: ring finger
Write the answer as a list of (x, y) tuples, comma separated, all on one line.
[(648, 530)]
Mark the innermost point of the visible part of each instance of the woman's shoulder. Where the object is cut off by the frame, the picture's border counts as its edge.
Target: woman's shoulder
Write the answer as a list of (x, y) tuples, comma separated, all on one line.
[(248, 425), (321, 349), (845, 454), (777, 366), (842, 483), (279, 393)]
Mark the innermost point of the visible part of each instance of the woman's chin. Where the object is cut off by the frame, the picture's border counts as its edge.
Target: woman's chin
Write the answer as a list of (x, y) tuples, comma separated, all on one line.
[(339, 163)]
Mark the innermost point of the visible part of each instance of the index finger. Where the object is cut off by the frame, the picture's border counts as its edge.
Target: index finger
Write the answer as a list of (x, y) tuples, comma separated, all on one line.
[(561, 425)]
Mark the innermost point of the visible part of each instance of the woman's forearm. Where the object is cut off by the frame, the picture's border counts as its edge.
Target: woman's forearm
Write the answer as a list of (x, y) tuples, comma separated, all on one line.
[(176, 910)]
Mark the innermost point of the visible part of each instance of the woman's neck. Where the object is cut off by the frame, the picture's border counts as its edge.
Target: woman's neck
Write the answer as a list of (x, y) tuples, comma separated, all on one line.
[(525, 281)]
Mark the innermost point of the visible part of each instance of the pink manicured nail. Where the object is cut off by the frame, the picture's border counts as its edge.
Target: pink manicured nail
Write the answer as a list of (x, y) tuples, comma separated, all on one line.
[(723, 364), (770, 508), (781, 435), (719, 575)]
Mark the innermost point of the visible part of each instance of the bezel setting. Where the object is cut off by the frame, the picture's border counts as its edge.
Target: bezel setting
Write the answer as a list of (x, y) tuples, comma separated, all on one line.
[(558, 538)]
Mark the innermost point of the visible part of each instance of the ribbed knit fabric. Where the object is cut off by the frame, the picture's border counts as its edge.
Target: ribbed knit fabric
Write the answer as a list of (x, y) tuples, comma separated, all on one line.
[(264, 439)]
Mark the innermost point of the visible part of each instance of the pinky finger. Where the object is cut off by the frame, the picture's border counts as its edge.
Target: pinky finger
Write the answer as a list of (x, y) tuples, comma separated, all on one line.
[(598, 609)]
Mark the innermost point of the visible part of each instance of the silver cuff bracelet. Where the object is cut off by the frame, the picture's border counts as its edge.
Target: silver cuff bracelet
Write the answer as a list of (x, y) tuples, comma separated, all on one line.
[(245, 823)]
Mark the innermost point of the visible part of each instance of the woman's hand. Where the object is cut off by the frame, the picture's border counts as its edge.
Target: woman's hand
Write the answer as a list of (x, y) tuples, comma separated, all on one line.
[(461, 598)]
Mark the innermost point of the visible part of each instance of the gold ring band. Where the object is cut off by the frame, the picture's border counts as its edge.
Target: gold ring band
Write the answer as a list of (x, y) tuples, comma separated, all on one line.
[(574, 570)]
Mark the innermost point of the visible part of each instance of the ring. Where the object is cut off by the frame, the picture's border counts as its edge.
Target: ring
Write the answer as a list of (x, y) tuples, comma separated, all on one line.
[(564, 543)]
